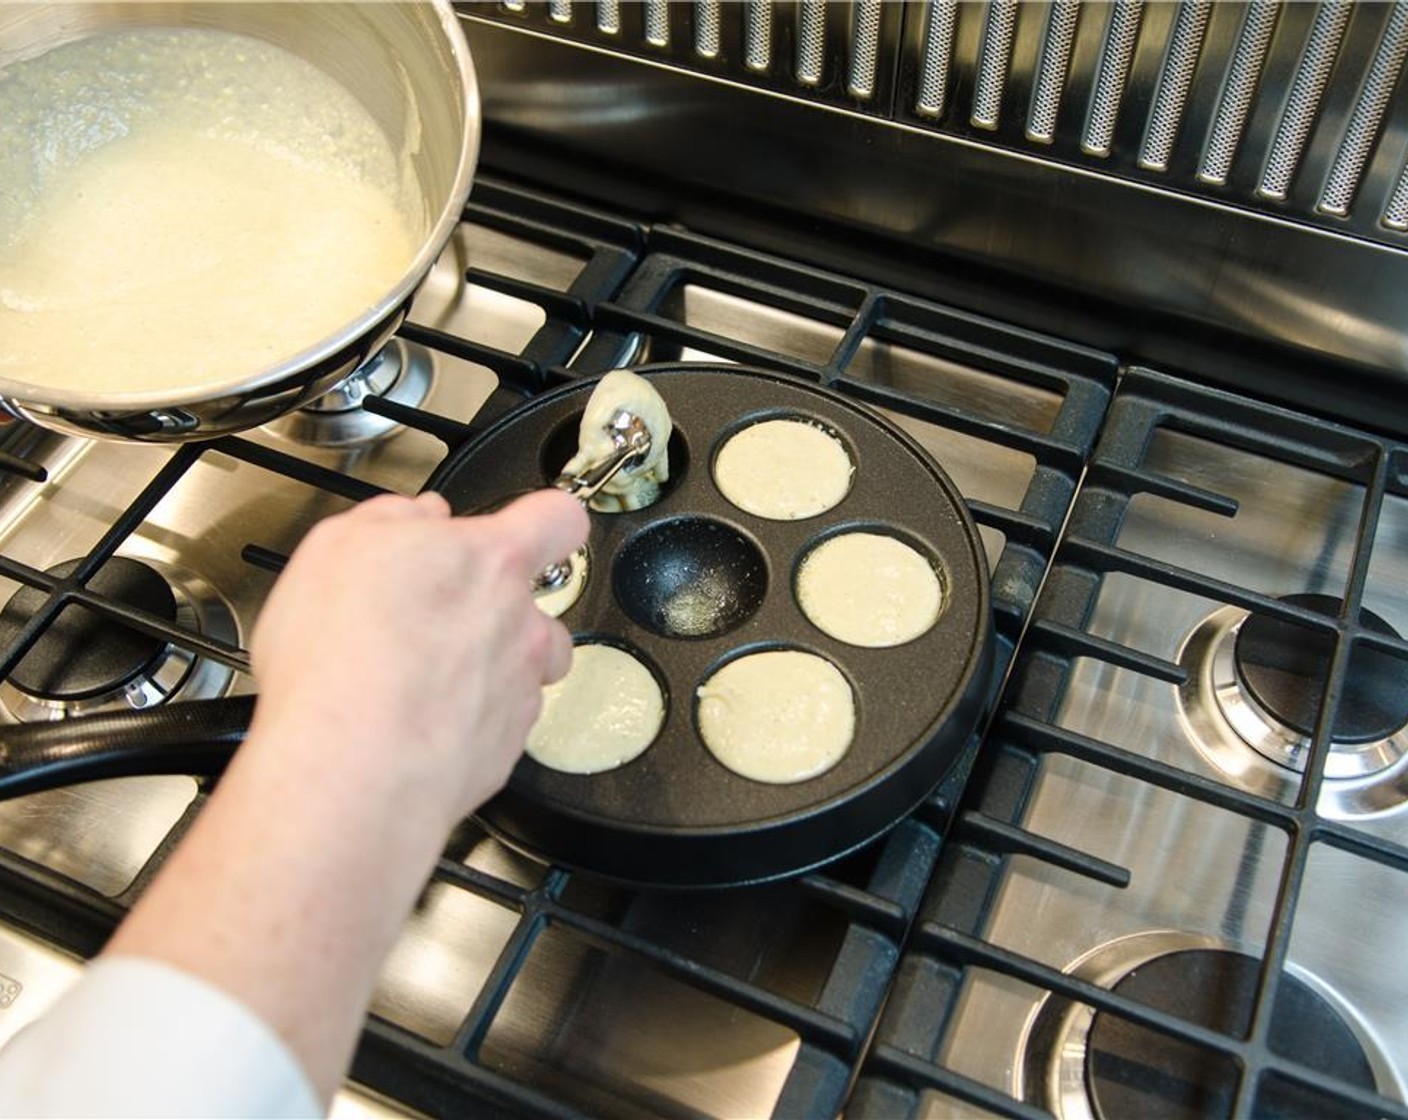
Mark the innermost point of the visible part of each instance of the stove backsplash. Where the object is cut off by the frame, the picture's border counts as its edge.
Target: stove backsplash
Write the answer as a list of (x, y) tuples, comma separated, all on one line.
[(1234, 171)]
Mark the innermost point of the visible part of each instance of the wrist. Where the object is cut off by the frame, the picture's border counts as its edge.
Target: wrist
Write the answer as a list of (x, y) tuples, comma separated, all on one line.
[(352, 771), (290, 890)]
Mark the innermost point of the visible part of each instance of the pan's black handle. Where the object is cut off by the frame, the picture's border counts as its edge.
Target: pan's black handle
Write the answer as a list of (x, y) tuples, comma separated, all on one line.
[(198, 737)]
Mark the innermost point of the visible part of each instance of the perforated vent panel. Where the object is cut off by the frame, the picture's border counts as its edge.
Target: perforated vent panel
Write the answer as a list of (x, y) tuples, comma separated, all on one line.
[(1286, 107)]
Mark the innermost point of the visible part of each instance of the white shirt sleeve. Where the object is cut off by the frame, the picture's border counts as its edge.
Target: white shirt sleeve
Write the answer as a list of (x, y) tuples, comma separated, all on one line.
[(136, 1037)]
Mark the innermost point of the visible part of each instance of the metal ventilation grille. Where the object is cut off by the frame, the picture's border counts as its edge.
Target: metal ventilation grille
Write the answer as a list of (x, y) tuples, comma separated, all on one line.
[(1277, 105), (865, 48), (1112, 76), (993, 62), (1052, 69), (1185, 46), (657, 23), (811, 41), (1306, 92), (1369, 111), (757, 50), (940, 24), (840, 53), (708, 32), (1236, 101), (608, 16), (1281, 106), (1396, 214)]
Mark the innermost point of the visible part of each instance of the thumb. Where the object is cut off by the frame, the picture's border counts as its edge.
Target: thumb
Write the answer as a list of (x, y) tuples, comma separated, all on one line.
[(542, 527)]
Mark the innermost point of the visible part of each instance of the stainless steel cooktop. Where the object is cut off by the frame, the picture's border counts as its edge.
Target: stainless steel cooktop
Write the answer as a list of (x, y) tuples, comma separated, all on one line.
[(618, 1001), (538, 991), (1216, 867), (1200, 877)]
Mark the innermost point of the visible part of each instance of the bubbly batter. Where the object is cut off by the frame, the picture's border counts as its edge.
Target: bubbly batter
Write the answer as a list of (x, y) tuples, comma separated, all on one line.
[(869, 589), (782, 716), (784, 470), (633, 487), (185, 208), (604, 713)]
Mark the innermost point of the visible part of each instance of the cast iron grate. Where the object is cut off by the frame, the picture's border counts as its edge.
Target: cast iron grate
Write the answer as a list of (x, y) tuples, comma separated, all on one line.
[(907, 1071), (858, 314), (611, 314)]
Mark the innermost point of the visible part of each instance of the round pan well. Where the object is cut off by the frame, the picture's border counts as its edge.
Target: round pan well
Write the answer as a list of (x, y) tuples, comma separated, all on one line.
[(784, 469)]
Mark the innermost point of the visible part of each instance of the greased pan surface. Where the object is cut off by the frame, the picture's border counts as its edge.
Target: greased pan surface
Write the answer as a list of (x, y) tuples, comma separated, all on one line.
[(675, 815)]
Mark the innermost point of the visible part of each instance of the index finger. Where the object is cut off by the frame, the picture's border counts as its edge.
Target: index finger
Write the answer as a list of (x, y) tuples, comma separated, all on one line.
[(546, 526)]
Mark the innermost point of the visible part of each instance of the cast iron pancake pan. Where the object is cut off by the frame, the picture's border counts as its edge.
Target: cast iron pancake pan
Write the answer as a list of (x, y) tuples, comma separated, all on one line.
[(675, 816)]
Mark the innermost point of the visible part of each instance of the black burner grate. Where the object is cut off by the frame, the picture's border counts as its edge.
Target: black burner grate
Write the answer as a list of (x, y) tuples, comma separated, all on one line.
[(611, 314), (908, 1069), (861, 313)]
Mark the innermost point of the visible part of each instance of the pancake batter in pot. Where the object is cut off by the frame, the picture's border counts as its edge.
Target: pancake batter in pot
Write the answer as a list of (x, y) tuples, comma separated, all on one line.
[(183, 206)]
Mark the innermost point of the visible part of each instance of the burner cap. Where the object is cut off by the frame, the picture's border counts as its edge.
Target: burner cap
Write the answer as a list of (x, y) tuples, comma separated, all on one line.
[(1284, 666), (1134, 1071), (83, 654)]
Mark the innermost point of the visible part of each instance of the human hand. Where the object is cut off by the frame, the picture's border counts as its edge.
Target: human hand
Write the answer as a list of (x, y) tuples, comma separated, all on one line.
[(405, 641), (399, 660)]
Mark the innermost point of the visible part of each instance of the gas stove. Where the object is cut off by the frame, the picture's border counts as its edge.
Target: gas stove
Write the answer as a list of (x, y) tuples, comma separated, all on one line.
[(514, 982), (1166, 877), (1203, 745)]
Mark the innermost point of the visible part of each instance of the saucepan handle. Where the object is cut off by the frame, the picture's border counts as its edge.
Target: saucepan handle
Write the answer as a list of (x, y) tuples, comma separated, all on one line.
[(198, 737)]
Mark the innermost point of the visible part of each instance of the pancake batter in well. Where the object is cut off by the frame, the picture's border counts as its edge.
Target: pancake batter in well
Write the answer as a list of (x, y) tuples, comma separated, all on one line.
[(869, 589), (782, 716), (186, 208), (604, 713), (784, 470)]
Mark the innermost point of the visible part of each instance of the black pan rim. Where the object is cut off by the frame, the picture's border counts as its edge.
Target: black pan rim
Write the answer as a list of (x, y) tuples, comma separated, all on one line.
[(976, 659)]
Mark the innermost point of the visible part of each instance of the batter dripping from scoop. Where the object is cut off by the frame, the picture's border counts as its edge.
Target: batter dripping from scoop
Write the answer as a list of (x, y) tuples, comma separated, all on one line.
[(637, 484), (621, 461)]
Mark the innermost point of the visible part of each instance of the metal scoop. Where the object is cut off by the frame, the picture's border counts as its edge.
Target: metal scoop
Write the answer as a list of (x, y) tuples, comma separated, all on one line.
[(630, 444)]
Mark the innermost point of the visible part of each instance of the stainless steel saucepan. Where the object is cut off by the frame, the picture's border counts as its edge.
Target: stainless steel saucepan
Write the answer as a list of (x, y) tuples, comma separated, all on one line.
[(409, 66)]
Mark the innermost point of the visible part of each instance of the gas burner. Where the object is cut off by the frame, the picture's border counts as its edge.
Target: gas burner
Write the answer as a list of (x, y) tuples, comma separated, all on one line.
[(1088, 1065), (1282, 668), (400, 372), (85, 662), (1253, 694)]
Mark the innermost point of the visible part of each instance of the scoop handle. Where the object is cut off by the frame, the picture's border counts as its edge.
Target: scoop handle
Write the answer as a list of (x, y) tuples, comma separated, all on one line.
[(630, 443)]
